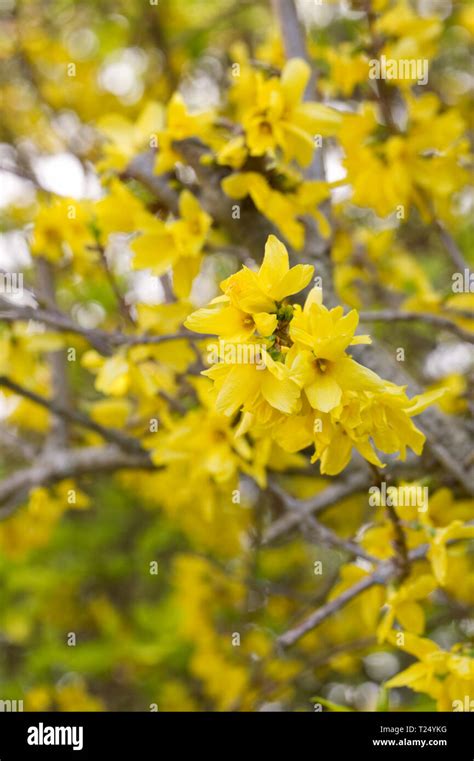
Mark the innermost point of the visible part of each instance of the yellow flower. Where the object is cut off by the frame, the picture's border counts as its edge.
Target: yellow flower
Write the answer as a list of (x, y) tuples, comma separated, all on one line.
[(379, 412), (205, 440), (318, 354), (260, 391), (126, 137), (413, 36), (402, 605), (438, 553), (109, 211), (348, 69), (177, 244), (283, 209), (260, 291), (60, 228), (233, 153), (446, 676), (344, 405), (179, 125), (424, 163), (454, 385), (251, 299), (277, 207), (278, 117), (38, 698), (74, 696), (111, 412), (190, 231)]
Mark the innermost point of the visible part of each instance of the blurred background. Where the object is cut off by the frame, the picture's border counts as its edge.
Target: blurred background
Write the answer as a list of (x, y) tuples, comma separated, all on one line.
[(130, 597)]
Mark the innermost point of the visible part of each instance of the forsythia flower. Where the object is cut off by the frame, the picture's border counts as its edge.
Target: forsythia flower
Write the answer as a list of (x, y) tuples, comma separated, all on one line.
[(412, 36), (437, 553), (176, 243), (403, 605), (303, 385), (179, 125), (60, 228), (251, 299), (274, 115), (125, 138), (281, 208), (403, 169), (447, 676)]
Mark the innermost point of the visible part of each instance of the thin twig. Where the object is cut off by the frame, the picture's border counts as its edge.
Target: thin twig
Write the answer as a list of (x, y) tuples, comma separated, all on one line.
[(59, 433), (127, 443), (451, 246), (60, 465), (392, 315), (385, 571), (103, 341), (123, 307), (399, 543), (299, 509)]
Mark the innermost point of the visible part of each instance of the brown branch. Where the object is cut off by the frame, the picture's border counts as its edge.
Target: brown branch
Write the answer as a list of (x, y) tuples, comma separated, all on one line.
[(311, 622), (123, 307), (450, 245), (62, 464), (101, 340), (57, 360), (392, 315), (385, 571), (300, 509), (324, 535), (141, 169), (401, 558), (127, 443)]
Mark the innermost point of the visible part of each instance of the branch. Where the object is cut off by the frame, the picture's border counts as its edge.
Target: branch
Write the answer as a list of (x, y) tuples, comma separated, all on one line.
[(141, 169), (399, 543), (448, 440), (123, 307), (127, 443), (384, 572), (11, 312), (300, 509), (57, 360), (60, 465), (451, 246), (101, 340), (293, 635), (15, 444), (326, 536), (290, 28), (392, 315)]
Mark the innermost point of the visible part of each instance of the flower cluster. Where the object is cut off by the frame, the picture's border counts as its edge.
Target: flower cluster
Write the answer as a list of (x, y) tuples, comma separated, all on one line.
[(311, 390)]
